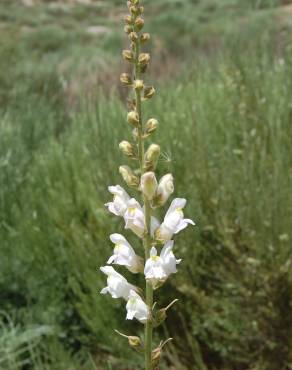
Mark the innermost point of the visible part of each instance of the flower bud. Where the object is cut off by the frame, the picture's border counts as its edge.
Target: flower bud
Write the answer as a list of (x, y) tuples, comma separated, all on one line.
[(151, 156), (149, 92), (139, 23), (148, 185), (134, 10), (128, 20), (151, 125), (127, 148), (128, 29), (144, 59), (134, 342), (138, 85), (141, 9), (134, 2), (125, 79), (129, 177), (160, 315), (128, 55), (133, 36), (164, 190), (145, 37), (133, 118), (155, 357)]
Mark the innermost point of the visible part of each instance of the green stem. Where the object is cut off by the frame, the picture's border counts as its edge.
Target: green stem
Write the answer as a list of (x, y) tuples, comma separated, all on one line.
[(147, 238)]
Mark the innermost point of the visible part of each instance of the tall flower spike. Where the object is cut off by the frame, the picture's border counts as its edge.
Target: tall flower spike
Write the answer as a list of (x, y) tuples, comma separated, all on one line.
[(138, 214)]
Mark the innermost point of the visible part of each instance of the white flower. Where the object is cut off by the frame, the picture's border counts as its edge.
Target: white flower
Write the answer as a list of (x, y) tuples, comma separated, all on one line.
[(124, 254), (136, 307), (165, 189), (117, 285), (169, 260), (119, 204), (173, 221), (158, 268), (135, 219)]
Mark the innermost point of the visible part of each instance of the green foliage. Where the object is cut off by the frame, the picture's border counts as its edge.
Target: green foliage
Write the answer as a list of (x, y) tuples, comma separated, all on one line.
[(225, 129)]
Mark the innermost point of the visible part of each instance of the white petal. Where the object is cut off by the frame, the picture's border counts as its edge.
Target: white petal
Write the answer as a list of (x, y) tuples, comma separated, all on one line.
[(153, 252), (176, 203), (104, 290)]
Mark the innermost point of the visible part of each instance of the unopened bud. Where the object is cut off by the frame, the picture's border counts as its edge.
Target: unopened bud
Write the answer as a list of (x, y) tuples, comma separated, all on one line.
[(160, 315), (148, 185), (139, 85), (128, 20), (133, 36), (149, 92), (127, 148), (144, 59), (145, 37), (129, 177), (134, 10), (128, 55), (139, 23), (164, 190), (134, 2), (128, 29), (141, 9), (151, 156), (155, 357), (133, 118), (151, 125), (125, 79), (134, 342), (156, 353)]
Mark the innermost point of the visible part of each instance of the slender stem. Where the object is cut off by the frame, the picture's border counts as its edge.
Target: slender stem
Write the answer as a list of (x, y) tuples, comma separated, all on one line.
[(147, 238)]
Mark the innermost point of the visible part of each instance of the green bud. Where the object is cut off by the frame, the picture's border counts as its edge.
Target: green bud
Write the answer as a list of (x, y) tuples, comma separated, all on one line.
[(145, 37), (128, 55), (139, 24), (151, 157), (151, 125), (127, 149), (134, 2), (149, 92), (126, 79), (138, 85), (133, 36), (148, 185), (133, 118), (128, 29), (144, 59), (128, 20), (129, 177), (134, 10)]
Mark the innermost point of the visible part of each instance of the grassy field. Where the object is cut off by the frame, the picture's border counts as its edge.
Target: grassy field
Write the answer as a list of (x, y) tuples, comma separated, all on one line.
[(223, 73)]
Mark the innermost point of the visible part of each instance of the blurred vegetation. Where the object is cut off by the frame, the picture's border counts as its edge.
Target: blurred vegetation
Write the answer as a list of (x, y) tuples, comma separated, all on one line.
[(224, 103)]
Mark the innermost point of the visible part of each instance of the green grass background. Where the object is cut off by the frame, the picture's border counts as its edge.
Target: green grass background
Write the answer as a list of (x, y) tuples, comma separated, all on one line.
[(222, 69)]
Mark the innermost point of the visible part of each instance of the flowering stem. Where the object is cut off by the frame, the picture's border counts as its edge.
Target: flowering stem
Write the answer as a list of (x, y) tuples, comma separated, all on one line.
[(146, 239)]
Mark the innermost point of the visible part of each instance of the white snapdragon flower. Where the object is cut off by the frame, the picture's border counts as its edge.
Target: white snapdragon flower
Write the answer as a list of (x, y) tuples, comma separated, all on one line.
[(124, 254), (135, 219), (120, 202), (173, 221), (117, 285), (136, 307), (158, 268), (165, 189)]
